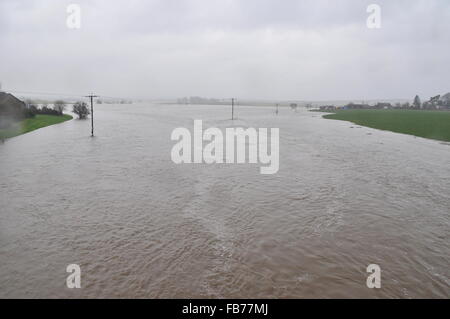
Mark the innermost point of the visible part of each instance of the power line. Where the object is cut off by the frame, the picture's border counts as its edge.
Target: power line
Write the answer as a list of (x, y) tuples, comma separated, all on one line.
[(61, 94), (45, 93), (91, 96), (232, 109)]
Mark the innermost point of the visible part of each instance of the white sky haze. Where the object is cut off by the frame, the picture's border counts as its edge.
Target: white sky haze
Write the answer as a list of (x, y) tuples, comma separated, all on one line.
[(263, 49)]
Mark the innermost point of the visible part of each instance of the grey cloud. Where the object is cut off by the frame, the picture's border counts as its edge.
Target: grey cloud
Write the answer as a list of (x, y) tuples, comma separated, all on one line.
[(253, 49)]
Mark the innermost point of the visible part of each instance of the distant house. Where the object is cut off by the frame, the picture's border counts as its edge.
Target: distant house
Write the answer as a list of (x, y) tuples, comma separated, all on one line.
[(11, 109), (382, 106), (446, 97), (353, 106), (444, 101), (328, 108)]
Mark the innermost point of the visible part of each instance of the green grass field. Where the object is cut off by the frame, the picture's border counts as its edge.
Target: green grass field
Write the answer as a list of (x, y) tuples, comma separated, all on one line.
[(32, 124), (429, 124)]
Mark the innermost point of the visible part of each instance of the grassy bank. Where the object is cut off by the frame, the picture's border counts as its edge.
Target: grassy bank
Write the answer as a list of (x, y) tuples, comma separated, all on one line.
[(429, 124), (32, 124)]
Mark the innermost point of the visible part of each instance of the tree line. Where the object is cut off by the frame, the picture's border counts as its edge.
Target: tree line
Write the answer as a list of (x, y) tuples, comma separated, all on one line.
[(79, 108)]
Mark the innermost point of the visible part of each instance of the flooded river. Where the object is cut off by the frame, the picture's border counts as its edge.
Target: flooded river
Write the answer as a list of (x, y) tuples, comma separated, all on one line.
[(140, 226)]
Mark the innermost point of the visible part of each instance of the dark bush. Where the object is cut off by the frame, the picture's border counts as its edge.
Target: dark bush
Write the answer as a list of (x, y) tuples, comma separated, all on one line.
[(27, 113), (81, 109), (59, 106)]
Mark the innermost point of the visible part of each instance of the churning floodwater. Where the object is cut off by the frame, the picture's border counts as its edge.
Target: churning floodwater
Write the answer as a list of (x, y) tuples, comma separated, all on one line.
[(140, 226)]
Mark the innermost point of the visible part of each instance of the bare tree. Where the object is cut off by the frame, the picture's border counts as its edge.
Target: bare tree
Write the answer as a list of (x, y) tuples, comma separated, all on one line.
[(59, 106), (417, 103), (81, 109)]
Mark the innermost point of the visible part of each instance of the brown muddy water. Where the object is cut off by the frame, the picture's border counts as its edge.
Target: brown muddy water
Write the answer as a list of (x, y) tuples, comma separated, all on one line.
[(140, 226)]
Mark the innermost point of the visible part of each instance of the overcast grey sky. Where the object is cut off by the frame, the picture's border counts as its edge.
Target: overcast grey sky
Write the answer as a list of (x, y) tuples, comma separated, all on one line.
[(265, 49)]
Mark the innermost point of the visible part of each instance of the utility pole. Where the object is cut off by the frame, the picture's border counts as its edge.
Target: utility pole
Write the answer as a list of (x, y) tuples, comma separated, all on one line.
[(92, 112), (232, 108)]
